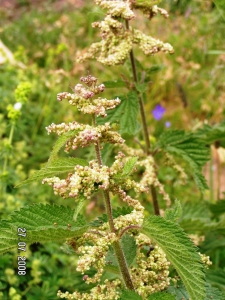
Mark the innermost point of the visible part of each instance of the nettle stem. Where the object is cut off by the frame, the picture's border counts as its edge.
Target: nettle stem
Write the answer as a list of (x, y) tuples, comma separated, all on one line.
[(10, 144), (144, 126), (5, 164), (116, 245)]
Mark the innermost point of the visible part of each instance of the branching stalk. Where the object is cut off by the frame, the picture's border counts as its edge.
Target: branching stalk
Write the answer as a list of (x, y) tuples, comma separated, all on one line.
[(128, 228), (144, 126), (116, 245)]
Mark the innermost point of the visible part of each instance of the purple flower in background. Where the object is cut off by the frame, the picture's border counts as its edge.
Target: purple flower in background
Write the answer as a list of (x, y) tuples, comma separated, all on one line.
[(167, 124), (158, 112)]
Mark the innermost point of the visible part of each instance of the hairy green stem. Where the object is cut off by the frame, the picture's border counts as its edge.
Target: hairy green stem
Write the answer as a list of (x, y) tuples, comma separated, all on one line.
[(211, 176), (128, 228), (144, 126), (116, 245), (10, 143), (97, 146), (4, 170), (218, 176)]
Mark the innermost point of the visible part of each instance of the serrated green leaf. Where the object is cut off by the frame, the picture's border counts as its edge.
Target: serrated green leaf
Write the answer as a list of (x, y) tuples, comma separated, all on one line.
[(129, 165), (196, 218), (193, 226), (106, 153), (114, 84), (56, 167), (125, 114), (210, 134), (212, 293), (68, 249), (174, 213), (128, 168), (220, 4), (79, 205), (216, 277), (138, 64), (190, 148), (119, 211), (154, 69), (180, 292), (61, 141), (180, 251), (218, 208), (161, 296), (212, 242), (129, 247), (196, 210), (141, 87), (8, 237), (42, 223), (131, 295)]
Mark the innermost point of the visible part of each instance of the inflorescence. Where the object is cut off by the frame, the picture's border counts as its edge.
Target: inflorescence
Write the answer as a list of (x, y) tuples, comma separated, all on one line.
[(150, 274), (117, 41)]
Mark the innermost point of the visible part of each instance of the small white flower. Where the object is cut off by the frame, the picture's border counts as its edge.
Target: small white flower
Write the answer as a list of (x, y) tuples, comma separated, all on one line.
[(17, 106)]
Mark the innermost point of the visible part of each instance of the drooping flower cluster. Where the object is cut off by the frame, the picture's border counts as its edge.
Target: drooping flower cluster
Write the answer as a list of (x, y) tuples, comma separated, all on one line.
[(149, 8), (178, 168), (106, 291), (85, 135), (83, 97), (149, 176), (197, 239), (124, 9), (93, 246), (149, 45), (85, 180), (136, 217), (206, 260), (88, 179), (94, 255), (151, 274), (115, 46), (117, 8), (117, 41)]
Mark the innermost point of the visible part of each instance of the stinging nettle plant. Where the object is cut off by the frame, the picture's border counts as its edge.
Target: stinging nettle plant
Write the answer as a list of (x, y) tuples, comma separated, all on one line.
[(139, 251)]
